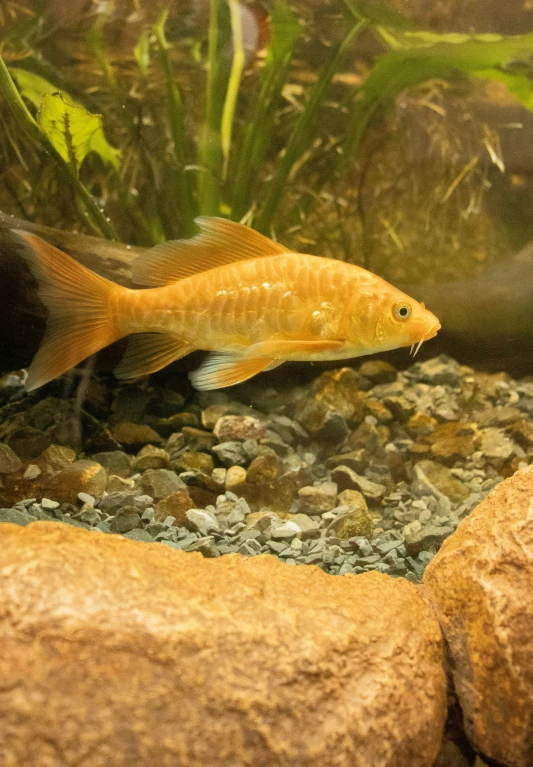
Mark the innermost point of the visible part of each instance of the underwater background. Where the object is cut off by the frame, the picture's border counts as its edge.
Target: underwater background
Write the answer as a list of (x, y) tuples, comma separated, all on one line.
[(395, 136)]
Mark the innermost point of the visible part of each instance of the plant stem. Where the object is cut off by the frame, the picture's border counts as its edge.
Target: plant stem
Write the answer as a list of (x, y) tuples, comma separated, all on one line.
[(177, 128), (300, 136), (87, 206), (232, 91), (209, 147)]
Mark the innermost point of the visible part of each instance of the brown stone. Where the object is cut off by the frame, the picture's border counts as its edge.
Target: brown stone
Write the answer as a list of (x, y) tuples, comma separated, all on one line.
[(434, 479), (28, 442), (238, 427), (125, 653), (59, 457), (348, 479), (177, 504), (235, 477), (82, 476), (421, 425), (378, 371), (151, 457), (357, 460), (522, 432), (264, 468), (318, 499), (453, 441), (135, 435), (339, 389), (351, 524), (194, 462), (9, 460), (380, 412), (159, 483), (369, 437), (197, 439), (480, 585)]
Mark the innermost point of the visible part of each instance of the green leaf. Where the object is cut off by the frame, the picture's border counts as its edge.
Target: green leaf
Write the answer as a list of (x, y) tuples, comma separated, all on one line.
[(421, 56), (302, 132), (518, 84), (142, 51), (232, 92), (284, 32), (73, 131), (33, 87), (379, 13), (88, 127)]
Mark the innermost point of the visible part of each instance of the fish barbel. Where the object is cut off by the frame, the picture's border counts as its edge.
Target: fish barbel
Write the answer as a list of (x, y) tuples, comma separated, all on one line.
[(229, 290)]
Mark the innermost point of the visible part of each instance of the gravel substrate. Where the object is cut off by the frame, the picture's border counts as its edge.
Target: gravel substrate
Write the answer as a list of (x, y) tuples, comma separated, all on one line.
[(367, 469)]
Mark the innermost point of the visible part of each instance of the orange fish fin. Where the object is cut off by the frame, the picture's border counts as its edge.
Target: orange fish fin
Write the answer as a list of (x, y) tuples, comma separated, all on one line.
[(79, 323), (297, 349), (219, 242), (221, 370), (149, 352)]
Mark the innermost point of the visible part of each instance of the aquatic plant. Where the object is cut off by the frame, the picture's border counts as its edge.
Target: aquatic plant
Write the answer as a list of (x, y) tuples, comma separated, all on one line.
[(155, 160)]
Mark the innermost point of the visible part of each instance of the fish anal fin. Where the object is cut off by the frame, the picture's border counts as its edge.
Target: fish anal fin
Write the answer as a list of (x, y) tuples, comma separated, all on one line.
[(294, 349), (149, 352), (219, 242), (222, 370)]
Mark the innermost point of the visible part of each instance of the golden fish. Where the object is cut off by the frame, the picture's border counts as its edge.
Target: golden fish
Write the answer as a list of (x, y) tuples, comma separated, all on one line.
[(231, 291)]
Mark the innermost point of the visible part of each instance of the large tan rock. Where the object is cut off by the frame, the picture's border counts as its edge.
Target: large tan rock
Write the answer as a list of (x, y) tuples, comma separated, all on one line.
[(119, 653), (481, 584)]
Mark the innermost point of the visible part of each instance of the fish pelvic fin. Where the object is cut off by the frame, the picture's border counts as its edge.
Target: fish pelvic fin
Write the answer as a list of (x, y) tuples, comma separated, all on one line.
[(222, 370), (219, 242), (78, 301), (149, 352)]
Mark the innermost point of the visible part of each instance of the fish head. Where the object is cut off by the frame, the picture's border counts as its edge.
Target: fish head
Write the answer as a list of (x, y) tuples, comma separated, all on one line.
[(385, 319)]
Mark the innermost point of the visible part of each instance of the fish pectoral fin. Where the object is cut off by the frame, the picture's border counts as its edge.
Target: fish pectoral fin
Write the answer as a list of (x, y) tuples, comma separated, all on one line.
[(149, 352), (219, 242), (221, 370), (285, 349)]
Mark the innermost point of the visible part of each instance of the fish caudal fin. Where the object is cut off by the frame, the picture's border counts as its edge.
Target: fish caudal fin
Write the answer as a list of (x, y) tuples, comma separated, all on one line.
[(79, 320), (221, 370)]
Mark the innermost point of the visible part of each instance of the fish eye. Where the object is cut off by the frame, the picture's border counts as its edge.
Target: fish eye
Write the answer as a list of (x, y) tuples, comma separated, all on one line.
[(402, 311)]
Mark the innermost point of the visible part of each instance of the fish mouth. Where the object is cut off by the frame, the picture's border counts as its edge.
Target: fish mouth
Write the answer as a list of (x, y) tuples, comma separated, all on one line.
[(432, 332)]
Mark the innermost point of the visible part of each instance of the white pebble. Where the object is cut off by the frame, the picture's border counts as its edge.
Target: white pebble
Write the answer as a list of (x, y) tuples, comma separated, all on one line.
[(46, 503), (32, 471)]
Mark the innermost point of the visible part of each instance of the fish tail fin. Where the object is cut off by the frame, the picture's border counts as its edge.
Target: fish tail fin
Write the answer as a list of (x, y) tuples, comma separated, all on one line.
[(80, 322)]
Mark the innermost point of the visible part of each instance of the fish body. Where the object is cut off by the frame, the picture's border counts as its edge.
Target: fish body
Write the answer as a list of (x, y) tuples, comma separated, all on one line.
[(229, 290)]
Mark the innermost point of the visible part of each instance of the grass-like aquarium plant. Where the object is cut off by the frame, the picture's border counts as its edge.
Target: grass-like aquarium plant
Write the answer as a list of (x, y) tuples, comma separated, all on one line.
[(134, 143)]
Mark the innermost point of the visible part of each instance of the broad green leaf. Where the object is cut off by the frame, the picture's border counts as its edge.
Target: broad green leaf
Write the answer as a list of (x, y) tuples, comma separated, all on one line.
[(379, 13), (73, 131), (33, 87), (518, 84), (424, 38), (419, 57), (38, 91), (284, 31)]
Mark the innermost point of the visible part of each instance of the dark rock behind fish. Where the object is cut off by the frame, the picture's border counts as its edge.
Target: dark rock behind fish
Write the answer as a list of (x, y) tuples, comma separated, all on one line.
[(486, 320)]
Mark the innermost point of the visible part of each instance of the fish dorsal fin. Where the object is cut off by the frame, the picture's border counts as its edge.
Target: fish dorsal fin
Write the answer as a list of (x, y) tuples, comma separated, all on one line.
[(219, 242)]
